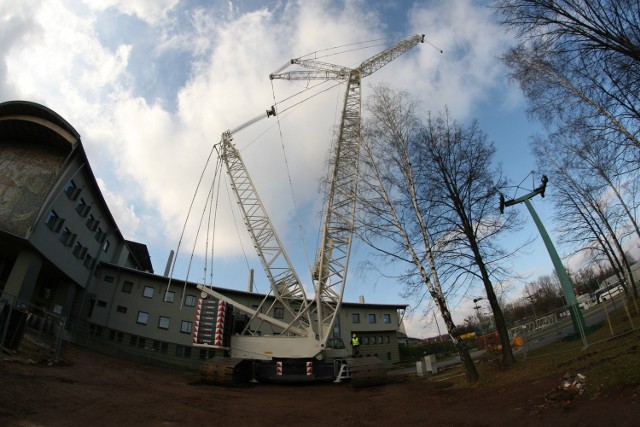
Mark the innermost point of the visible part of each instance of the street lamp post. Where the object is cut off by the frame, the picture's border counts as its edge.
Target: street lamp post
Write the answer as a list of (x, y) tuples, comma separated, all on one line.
[(533, 307), (569, 295), (477, 307)]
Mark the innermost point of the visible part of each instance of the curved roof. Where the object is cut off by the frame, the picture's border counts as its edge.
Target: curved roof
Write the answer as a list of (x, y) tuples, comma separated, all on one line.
[(32, 122)]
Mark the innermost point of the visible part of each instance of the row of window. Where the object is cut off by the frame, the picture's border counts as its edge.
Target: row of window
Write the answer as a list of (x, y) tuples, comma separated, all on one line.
[(163, 347), (355, 318), (142, 318), (164, 322), (382, 339), (147, 343), (68, 238), (149, 291)]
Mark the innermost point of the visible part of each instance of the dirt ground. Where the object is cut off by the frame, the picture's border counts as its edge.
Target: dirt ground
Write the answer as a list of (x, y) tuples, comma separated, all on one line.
[(95, 390)]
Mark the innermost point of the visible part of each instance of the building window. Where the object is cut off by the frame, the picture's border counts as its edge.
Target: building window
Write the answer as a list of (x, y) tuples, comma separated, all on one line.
[(127, 287), (385, 339), (143, 318), (100, 235), (355, 317), (372, 318), (79, 251), (67, 237), (121, 309), (278, 313), (183, 351), (89, 262), (92, 223), (365, 340), (164, 347), (106, 246), (190, 300), (82, 208), (119, 337), (163, 322), (54, 222), (386, 318), (169, 296), (108, 279), (133, 340), (147, 292), (186, 327), (72, 191), (46, 293), (101, 303), (141, 342)]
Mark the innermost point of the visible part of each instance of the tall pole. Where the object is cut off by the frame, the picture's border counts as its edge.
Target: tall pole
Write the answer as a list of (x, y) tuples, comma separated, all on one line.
[(565, 282), (579, 325), (477, 307)]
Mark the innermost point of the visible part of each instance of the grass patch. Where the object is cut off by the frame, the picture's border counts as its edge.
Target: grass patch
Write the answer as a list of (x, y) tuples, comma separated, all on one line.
[(608, 361)]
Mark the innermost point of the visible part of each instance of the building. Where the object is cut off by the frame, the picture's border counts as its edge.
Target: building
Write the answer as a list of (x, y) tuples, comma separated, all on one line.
[(151, 318), (54, 223), (62, 255)]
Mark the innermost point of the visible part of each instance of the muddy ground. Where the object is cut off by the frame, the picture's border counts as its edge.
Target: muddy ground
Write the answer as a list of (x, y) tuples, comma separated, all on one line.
[(90, 389)]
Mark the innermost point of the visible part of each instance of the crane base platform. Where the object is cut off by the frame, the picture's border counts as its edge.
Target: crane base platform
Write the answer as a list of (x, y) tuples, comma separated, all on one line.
[(224, 371)]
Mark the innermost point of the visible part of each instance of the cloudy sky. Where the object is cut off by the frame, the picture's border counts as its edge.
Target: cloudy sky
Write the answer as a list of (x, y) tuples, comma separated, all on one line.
[(151, 85)]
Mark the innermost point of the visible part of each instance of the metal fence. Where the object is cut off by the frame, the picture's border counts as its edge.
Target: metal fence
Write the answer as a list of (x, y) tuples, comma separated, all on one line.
[(617, 316), (31, 333), (23, 325)]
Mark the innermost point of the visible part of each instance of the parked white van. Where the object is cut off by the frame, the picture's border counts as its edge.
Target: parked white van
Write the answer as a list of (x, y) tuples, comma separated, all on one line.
[(608, 293)]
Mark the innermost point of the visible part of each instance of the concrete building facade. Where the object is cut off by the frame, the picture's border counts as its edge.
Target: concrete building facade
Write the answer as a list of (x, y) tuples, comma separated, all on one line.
[(54, 223)]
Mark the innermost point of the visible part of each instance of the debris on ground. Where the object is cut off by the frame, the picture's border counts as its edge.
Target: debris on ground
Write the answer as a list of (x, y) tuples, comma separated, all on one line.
[(571, 386)]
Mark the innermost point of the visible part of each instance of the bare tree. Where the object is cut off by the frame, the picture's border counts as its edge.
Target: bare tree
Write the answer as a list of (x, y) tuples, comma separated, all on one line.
[(579, 60), (455, 163), (394, 217), (584, 211), (545, 294), (578, 64)]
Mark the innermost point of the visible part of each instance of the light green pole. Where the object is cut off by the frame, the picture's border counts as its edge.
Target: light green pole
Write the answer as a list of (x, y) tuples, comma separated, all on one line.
[(579, 325), (565, 282)]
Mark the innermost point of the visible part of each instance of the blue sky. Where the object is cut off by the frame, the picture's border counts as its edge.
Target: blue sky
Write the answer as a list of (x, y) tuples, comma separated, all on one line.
[(151, 85)]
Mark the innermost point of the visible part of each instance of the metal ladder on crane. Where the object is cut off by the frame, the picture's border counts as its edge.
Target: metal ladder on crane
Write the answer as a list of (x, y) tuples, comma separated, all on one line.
[(344, 373)]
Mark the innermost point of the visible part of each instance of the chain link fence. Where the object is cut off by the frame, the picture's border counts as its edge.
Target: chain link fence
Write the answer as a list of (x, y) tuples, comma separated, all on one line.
[(37, 332)]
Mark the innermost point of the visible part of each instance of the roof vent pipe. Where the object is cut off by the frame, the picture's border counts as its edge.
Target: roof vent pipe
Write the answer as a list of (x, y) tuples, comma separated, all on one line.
[(169, 261)]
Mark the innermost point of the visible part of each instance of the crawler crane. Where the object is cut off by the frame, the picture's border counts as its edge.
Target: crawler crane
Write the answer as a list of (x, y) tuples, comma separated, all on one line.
[(304, 348)]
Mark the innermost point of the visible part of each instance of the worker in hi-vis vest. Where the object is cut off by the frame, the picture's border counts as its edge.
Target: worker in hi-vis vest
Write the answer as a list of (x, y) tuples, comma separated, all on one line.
[(355, 343)]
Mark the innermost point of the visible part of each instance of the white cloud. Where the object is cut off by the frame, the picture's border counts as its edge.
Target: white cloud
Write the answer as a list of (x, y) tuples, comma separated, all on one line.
[(151, 12), (128, 221), (149, 158)]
